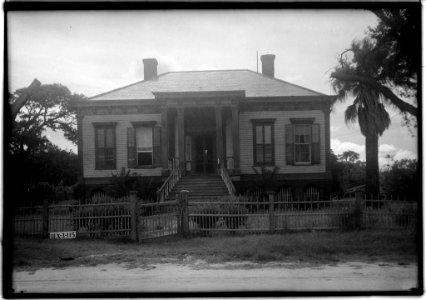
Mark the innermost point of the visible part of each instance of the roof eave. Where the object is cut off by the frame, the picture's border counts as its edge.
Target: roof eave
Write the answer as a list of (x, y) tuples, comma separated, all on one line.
[(306, 98), (124, 102)]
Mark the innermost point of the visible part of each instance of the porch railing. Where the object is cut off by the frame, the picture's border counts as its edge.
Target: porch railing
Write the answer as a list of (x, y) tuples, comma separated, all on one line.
[(223, 172), (169, 184)]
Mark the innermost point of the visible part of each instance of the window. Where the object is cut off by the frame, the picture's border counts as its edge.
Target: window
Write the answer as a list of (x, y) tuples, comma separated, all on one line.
[(263, 142), (143, 145), (105, 146), (302, 142)]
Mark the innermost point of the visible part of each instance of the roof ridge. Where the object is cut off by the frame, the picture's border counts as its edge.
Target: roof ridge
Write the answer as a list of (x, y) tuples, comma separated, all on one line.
[(280, 80), (123, 87), (227, 70)]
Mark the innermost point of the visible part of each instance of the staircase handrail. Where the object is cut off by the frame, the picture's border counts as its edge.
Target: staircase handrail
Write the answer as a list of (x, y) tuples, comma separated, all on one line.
[(169, 184), (223, 172)]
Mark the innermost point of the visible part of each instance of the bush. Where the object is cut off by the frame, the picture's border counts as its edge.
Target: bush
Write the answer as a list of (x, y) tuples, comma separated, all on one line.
[(146, 189), (100, 218), (39, 192), (224, 210), (122, 183), (63, 192)]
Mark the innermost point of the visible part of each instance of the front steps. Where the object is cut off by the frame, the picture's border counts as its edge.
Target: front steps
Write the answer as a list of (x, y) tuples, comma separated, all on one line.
[(200, 187)]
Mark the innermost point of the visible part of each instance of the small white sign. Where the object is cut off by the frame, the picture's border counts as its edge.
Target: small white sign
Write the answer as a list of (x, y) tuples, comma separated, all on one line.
[(63, 235)]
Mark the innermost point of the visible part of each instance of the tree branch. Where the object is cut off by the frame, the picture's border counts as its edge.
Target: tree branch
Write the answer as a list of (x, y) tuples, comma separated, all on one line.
[(402, 105), (380, 14), (22, 99)]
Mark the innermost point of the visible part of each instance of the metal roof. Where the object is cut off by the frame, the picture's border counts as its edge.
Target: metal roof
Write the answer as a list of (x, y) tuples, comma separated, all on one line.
[(254, 84)]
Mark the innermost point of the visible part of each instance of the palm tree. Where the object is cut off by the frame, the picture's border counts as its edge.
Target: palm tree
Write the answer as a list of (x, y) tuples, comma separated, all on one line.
[(373, 120), (361, 59)]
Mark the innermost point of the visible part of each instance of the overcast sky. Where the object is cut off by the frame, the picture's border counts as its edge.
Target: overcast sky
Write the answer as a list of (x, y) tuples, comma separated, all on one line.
[(93, 52)]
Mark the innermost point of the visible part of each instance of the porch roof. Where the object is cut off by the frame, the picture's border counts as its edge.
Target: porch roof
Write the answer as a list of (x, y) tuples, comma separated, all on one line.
[(254, 84)]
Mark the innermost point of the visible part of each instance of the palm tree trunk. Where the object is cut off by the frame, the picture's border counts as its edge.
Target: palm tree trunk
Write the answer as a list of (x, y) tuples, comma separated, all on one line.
[(372, 164)]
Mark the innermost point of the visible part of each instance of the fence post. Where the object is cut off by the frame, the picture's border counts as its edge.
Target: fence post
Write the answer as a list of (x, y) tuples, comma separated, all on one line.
[(358, 209), (183, 213), (45, 232), (271, 196), (134, 216)]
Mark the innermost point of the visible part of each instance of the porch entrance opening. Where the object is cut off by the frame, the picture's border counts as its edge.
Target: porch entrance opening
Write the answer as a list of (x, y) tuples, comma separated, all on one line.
[(204, 159), (200, 140)]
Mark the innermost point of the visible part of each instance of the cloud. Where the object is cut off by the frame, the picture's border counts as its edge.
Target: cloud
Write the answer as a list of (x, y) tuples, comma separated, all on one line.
[(401, 154), (334, 128), (387, 148), (167, 64), (339, 147)]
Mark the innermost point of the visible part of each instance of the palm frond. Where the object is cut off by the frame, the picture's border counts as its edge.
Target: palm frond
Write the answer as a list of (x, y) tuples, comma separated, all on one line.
[(351, 113)]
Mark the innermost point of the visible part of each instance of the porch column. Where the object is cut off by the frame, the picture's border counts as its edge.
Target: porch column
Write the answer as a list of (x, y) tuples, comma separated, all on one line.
[(164, 139), (236, 136), (219, 135), (80, 144), (181, 136)]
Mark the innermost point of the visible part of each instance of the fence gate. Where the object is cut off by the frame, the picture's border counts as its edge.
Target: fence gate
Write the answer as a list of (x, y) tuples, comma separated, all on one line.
[(157, 220)]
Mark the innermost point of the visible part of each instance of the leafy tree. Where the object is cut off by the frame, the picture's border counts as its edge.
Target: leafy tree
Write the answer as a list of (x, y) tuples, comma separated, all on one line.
[(349, 155), (346, 173), (51, 165), (335, 170), (41, 106), (401, 179), (32, 158)]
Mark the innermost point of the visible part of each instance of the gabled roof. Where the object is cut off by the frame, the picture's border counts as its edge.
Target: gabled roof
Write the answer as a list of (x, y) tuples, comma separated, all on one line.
[(254, 85)]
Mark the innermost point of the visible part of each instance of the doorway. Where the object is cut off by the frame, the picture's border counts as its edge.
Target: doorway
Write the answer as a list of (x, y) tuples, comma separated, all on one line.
[(204, 159)]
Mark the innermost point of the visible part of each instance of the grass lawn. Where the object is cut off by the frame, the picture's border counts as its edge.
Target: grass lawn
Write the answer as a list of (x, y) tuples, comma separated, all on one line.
[(308, 247)]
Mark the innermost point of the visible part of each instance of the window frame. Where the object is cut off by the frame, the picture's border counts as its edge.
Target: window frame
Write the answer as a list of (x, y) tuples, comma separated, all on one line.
[(263, 123), (304, 122), (152, 126), (309, 144), (105, 127)]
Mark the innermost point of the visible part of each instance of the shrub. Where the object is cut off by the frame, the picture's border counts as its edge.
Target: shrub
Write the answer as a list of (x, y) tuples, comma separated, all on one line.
[(63, 192), (225, 210), (90, 218), (39, 192), (79, 191), (146, 189), (122, 183)]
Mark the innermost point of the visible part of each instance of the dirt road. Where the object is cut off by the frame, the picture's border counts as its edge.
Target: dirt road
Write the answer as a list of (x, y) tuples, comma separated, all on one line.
[(200, 276)]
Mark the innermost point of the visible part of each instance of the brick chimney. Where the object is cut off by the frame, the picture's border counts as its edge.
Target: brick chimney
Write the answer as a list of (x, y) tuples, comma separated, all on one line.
[(268, 64), (149, 68)]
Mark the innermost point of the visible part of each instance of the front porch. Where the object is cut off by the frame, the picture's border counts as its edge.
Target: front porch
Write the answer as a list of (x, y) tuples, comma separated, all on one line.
[(199, 139)]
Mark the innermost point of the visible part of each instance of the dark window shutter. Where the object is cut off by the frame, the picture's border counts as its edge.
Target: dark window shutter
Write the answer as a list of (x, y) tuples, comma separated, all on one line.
[(289, 144), (315, 144), (157, 146), (131, 147)]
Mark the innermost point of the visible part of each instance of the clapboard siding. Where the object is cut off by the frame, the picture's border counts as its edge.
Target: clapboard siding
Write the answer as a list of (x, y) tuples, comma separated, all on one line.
[(282, 118), (123, 122)]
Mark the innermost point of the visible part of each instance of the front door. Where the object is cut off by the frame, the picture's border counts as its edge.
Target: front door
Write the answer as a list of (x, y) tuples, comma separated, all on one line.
[(204, 154)]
